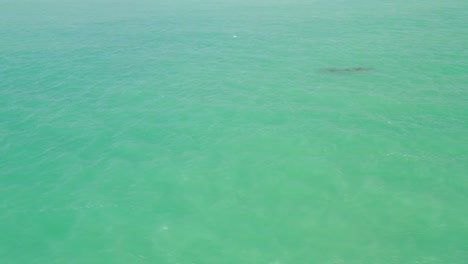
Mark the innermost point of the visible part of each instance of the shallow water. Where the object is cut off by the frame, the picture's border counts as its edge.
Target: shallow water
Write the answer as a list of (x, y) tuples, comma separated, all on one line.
[(207, 132)]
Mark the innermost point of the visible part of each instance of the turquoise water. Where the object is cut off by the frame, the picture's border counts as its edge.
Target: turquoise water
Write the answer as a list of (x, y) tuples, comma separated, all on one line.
[(202, 132)]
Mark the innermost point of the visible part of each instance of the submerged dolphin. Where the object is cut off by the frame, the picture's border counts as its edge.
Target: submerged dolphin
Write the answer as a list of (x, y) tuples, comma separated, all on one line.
[(356, 69)]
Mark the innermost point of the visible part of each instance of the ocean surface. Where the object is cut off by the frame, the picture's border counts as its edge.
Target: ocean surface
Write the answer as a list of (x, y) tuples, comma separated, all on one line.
[(233, 132)]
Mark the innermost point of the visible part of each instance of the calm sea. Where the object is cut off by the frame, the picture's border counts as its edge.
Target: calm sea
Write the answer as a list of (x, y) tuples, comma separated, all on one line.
[(233, 132)]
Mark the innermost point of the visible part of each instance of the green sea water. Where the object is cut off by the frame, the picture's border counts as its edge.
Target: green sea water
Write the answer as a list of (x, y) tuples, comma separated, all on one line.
[(205, 132)]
